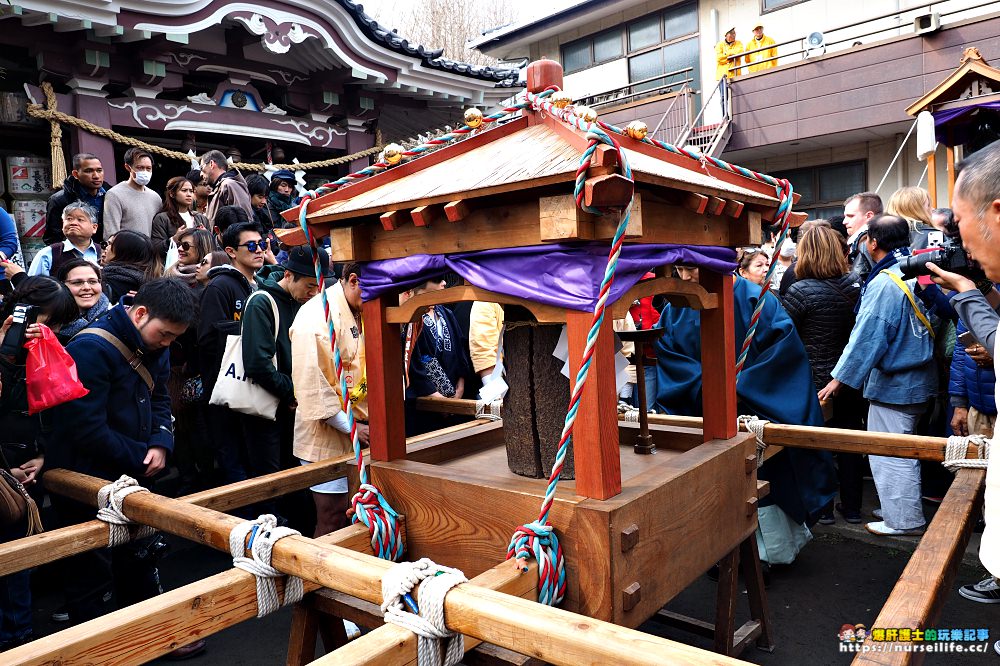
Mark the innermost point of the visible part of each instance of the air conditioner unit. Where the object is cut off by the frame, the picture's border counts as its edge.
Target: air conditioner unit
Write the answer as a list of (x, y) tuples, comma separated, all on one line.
[(926, 23)]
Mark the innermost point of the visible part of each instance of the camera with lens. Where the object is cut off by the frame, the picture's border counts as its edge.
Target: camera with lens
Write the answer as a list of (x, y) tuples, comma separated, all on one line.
[(945, 252), (12, 348)]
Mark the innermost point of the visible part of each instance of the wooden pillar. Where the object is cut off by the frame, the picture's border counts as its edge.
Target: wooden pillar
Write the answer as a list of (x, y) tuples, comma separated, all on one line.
[(384, 361), (718, 360), (595, 436), (949, 152), (932, 179)]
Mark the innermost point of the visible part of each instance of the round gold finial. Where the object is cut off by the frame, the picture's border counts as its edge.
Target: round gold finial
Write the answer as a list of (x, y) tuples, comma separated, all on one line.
[(473, 117), (637, 130), (561, 99), (392, 153), (585, 113)]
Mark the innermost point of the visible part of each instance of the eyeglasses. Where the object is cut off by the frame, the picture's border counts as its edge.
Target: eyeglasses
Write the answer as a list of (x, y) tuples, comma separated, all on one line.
[(106, 244), (253, 246), (186, 246), (92, 282)]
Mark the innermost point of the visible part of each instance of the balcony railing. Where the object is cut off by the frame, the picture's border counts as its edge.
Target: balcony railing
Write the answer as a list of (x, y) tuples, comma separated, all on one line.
[(891, 24), (651, 87)]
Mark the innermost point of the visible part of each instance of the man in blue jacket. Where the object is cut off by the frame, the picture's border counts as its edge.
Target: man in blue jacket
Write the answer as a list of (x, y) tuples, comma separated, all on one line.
[(122, 426), (890, 354)]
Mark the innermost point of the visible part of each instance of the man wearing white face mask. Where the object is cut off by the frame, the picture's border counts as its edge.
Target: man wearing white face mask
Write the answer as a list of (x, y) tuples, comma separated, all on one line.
[(131, 204)]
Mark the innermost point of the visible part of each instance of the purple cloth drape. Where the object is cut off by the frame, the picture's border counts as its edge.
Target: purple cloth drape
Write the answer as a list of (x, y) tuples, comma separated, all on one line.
[(563, 275), (945, 116)]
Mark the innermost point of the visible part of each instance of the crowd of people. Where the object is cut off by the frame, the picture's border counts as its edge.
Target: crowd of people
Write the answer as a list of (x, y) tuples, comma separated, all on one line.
[(161, 300)]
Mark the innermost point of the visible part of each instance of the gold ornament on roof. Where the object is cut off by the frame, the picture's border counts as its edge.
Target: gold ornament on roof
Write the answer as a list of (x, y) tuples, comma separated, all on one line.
[(637, 130), (561, 99), (473, 117), (585, 113), (392, 154)]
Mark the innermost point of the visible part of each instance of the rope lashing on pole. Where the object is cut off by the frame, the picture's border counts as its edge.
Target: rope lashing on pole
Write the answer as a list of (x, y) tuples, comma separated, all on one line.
[(957, 448), (264, 533), (435, 582), (538, 539), (755, 425), (110, 498)]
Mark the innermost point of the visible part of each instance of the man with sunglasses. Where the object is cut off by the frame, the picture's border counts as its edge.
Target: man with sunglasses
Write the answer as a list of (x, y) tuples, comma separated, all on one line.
[(222, 304)]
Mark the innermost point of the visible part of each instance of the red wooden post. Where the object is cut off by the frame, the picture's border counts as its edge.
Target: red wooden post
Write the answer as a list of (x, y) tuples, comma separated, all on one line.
[(718, 360), (595, 436), (384, 361)]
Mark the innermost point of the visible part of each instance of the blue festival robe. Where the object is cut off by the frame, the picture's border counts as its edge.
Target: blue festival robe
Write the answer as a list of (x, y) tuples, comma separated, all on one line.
[(776, 384)]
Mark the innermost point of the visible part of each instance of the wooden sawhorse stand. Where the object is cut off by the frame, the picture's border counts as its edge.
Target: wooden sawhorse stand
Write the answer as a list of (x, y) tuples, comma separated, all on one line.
[(729, 640)]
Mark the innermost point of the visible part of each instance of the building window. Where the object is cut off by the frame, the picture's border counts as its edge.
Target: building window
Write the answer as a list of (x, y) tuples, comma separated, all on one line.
[(592, 50), (823, 189), (771, 5), (663, 43)]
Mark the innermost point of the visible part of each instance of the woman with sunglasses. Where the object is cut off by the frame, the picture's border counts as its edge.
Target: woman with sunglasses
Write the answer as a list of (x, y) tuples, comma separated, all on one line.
[(193, 245), (84, 281), (178, 214), (129, 261)]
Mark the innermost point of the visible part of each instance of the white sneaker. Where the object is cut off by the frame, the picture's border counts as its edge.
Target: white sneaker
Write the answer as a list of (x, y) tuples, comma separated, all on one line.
[(881, 529), (353, 630)]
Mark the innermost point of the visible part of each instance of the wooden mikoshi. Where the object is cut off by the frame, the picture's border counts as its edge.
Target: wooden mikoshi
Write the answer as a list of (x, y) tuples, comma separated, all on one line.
[(624, 518)]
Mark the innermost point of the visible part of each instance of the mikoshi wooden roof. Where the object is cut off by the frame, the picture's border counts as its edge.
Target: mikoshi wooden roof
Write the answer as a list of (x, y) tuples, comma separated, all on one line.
[(512, 185), (955, 88)]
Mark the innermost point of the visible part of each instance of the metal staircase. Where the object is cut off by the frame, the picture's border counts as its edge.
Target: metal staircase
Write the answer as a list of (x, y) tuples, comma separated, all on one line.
[(710, 130)]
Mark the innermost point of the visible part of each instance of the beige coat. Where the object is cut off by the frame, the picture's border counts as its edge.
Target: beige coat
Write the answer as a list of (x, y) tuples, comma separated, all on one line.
[(485, 327), (315, 377)]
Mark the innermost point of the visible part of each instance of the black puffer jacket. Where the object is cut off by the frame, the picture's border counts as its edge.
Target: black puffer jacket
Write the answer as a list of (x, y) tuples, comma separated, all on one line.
[(823, 313)]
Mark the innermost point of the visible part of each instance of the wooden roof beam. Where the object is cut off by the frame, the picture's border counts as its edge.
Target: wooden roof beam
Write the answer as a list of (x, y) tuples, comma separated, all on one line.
[(715, 206), (392, 220), (456, 211), (423, 216), (733, 208)]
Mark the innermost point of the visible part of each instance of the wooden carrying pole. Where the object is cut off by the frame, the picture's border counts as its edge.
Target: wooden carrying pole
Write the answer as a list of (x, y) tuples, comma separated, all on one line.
[(925, 583), (778, 434), (555, 635), (56, 544)]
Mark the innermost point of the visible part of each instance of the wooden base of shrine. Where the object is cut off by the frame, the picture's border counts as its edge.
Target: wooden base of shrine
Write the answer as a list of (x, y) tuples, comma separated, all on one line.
[(680, 512)]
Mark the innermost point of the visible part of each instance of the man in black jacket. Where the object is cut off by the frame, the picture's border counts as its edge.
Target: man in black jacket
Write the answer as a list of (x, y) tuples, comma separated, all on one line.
[(122, 426), (86, 184), (221, 309)]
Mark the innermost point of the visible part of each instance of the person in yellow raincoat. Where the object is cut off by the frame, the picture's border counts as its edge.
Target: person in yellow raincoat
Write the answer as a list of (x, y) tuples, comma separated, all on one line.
[(723, 50), (769, 56)]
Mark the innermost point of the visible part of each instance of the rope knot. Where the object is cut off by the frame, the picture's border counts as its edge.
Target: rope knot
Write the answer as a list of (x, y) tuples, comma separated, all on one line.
[(958, 447), (755, 425), (428, 621), (110, 499), (540, 541), (264, 533), (372, 509)]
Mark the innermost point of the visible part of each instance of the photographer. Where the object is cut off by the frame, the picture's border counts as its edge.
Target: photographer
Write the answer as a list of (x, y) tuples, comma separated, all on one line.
[(38, 300), (976, 206)]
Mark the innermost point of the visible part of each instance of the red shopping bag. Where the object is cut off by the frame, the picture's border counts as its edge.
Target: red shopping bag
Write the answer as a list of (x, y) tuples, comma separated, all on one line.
[(50, 372)]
